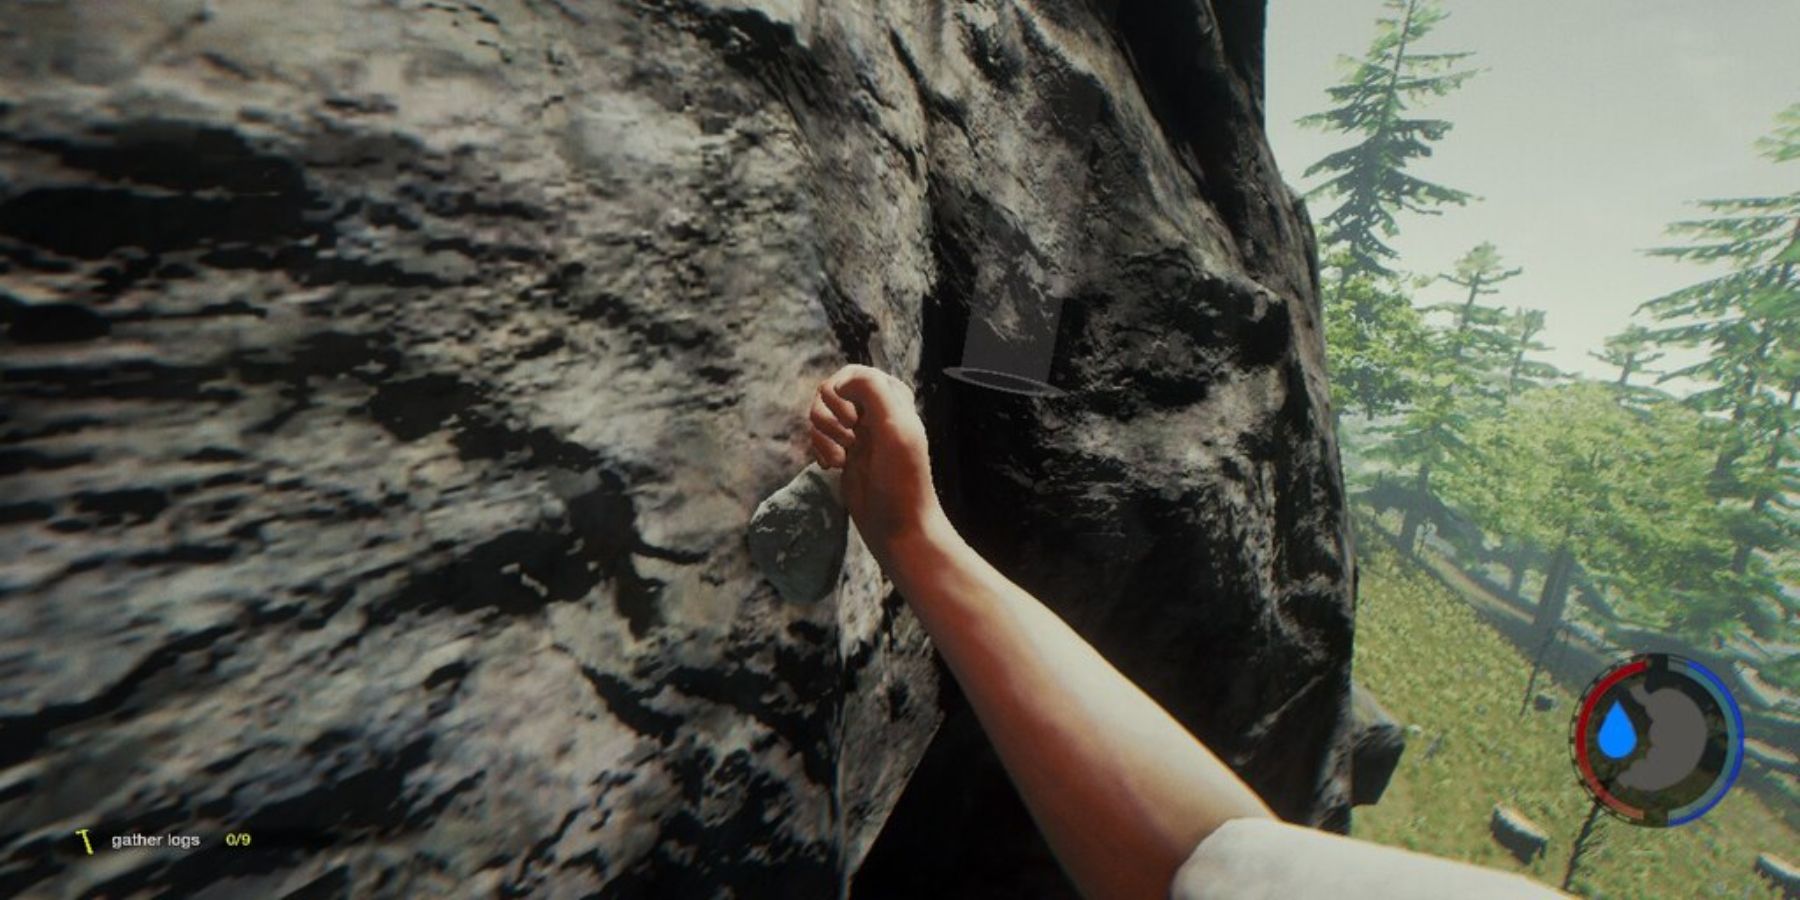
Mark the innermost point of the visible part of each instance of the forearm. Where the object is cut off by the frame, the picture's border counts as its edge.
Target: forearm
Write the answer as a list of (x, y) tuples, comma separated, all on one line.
[(1120, 789)]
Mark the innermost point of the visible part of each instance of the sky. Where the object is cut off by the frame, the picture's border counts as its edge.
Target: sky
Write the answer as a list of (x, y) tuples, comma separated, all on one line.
[(1591, 126)]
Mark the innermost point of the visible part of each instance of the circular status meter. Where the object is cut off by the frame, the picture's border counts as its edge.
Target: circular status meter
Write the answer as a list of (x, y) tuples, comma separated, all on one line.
[(1657, 740)]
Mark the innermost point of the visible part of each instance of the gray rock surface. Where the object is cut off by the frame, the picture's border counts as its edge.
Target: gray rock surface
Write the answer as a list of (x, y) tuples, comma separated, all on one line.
[(387, 388), (1524, 839), (1378, 745), (1781, 875)]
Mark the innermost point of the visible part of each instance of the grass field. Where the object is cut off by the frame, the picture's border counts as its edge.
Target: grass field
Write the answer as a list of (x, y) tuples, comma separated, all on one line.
[(1437, 667)]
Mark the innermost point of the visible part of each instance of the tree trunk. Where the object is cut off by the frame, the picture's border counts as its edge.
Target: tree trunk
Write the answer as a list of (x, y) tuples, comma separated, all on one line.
[(1415, 511), (1537, 665), (1555, 594), (1516, 569), (1736, 446), (1462, 318), (1740, 554), (1548, 621), (1337, 294)]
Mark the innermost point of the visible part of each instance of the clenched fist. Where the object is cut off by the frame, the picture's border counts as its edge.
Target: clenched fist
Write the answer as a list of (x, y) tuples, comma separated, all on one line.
[(864, 422)]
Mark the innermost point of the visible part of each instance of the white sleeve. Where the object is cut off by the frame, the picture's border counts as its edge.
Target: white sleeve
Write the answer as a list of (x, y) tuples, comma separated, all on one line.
[(1246, 859)]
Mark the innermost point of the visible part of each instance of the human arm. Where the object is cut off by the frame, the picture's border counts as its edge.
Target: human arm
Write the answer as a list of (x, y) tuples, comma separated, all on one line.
[(1122, 792)]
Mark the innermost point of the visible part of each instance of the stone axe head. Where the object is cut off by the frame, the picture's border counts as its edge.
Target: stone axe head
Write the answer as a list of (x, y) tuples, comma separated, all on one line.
[(797, 536)]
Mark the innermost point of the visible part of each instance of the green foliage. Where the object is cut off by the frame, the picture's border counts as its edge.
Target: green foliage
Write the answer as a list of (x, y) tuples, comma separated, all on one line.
[(1467, 368), (1783, 144), (1529, 476), (1748, 321), (1520, 330), (1370, 177), (1749, 317), (1784, 673), (1478, 341), (1623, 490), (1429, 432), (1377, 347), (1632, 352)]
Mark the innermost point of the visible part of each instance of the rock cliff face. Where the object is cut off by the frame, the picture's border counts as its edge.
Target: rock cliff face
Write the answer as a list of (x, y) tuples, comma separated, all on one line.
[(386, 387)]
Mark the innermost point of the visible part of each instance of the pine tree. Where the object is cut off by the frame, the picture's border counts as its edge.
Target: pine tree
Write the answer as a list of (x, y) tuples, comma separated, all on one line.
[(1466, 377), (1372, 102), (1428, 435), (1631, 352), (1771, 483), (1606, 490), (1521, 330), (1377, 344), (1783, 144), (1748, 321), (1477, 331)]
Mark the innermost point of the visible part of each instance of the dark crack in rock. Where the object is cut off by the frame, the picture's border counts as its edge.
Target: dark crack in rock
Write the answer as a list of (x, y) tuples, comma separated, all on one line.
[(385, 391)]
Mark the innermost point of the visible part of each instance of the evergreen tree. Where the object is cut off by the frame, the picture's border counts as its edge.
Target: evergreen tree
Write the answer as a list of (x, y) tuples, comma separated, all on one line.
[(1370, 177), (1783, 144), (1427, 436), (1376, 345), (1477, 332), (1748, 321), (1521, 330), (1631, 352), (1464, 374), (1617, 493)]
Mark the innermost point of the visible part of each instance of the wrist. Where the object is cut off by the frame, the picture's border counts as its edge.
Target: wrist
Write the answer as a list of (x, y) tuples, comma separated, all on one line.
[(915, 543)]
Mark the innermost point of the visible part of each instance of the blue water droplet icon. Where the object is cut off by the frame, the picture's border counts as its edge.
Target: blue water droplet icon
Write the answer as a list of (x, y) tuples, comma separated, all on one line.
[(1618, 737)]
